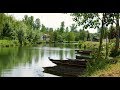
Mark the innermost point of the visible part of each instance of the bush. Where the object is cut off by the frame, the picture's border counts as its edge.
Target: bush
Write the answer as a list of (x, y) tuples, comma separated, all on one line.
[(97, 63), (9, 43)]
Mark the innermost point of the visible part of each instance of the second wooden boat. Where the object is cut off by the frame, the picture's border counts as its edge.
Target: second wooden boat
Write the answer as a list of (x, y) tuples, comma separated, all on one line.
[(70, 62)]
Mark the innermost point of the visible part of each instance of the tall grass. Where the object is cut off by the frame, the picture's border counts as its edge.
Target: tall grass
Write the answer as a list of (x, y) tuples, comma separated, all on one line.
[(111, 69), (97, 64)]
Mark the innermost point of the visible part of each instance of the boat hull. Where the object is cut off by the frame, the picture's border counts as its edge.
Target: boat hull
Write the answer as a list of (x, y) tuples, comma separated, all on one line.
[(77, 63)]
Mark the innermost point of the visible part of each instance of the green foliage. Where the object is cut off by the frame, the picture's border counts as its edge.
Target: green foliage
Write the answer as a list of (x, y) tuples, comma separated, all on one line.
[(114, 53), (62, 27), (73, 28), (112, 32), (6, 31), (55, 36), (87, 19), (93, 20), (43, 29), (94, 66), (70, 36), (9, 43), (27, 31), (97, 63), (37, 24)]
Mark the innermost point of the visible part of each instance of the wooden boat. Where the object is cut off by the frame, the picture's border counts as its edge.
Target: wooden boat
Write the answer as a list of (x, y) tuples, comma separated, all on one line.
[(83, 57), (77, 59), (70, 62), (84, 51), (64, 71), (77, 50)]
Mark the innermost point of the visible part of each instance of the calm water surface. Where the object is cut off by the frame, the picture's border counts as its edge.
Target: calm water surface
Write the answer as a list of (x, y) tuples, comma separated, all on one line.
[(29, 61)]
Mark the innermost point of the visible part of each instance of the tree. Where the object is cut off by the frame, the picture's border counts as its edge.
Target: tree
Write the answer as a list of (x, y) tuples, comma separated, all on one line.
[(37, 24), (88, 36), (6, 31), (93, 20), (36, 37), (73, 28), (21, 32), (62, 27), (117, 32), (2, 19), (43, 29), (112, 32), (66, 30), (82, 35), (55, 36), (70, 36), (29, 21), (20, 36), (50, 32), (25, 19)]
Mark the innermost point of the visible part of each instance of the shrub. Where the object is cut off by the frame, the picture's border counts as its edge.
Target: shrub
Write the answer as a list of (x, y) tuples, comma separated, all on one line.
[(8, 43)]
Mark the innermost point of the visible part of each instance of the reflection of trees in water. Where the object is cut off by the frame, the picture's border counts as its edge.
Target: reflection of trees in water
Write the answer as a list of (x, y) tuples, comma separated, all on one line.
[(42, 54), (63, 45), (20, 53), (36, 56), (66, 54), (11, 57), (61, 54), (72, 53), (7, 58), (70, 45)]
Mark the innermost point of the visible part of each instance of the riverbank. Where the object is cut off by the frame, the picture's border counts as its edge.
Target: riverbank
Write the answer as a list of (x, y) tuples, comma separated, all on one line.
[(9, 43), (13, 43), (110, 70), (104, 69)]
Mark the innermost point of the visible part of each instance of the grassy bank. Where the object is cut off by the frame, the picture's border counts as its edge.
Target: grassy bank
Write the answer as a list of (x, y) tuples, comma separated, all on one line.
[(110, 70), (9, 43), (102, 66), (89, 45)]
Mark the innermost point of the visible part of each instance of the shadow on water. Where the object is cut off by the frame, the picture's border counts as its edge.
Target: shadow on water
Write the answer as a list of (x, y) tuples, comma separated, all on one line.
[(28, 61)]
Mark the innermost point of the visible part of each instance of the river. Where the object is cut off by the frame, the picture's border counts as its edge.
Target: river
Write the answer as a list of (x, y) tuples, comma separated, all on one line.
[(29, 61)]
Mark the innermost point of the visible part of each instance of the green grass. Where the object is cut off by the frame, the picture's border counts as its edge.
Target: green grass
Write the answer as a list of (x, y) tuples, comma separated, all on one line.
[(100, 67), (110, 70), (9, 43), (89, 44)]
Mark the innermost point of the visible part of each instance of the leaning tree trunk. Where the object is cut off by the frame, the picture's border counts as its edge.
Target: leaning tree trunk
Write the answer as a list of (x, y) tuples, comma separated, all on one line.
[(101, 36), (117, 33), (106, 47)]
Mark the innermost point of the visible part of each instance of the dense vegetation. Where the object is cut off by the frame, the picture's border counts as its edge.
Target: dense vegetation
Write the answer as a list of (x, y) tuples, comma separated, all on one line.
[(31, 32), (108, 29)]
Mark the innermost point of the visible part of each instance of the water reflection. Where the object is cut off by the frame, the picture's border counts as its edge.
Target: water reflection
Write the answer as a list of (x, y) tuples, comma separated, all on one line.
[(28, 61)]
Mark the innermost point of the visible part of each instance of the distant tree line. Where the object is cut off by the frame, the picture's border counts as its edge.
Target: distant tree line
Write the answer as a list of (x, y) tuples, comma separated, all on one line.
[(30, 31)]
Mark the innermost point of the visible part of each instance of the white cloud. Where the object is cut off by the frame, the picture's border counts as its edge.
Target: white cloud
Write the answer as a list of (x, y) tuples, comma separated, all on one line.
[(49, 19)]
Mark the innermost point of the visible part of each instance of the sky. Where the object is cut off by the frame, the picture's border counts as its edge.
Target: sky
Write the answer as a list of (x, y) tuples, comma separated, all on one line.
[(51, 20)]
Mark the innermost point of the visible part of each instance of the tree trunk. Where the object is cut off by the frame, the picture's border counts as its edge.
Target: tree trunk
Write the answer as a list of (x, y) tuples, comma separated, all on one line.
[(101, 36), (106, 47), (117, 33)]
